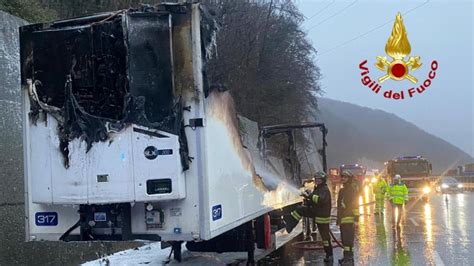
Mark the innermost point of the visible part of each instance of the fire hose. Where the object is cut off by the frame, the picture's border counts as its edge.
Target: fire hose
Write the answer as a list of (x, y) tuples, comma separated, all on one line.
[(335, 239), (314, 245)]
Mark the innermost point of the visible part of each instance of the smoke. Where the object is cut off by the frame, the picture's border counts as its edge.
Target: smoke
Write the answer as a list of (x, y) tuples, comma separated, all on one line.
[(267, 176)]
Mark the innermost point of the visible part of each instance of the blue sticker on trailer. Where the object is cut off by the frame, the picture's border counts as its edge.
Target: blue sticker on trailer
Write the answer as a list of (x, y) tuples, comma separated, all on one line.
[(46, 219), (216, 212), (100, 216)]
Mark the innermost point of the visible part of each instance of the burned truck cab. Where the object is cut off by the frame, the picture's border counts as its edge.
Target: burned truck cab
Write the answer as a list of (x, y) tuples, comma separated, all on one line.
[(104, 118)]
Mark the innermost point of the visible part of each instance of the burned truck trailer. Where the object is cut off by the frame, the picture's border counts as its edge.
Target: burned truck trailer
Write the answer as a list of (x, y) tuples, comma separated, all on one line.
[(123, 137)]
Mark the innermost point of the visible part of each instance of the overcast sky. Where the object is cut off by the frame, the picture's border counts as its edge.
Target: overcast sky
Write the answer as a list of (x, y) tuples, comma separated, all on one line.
[(346, 32)]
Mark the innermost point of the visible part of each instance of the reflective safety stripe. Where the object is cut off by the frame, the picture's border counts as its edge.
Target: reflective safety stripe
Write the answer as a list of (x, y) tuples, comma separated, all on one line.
[(356, 212), (322, 220), (346, 248), (296, 215), (315, 198), (347, 220), (397, 193), (325, 243), (396, 190)]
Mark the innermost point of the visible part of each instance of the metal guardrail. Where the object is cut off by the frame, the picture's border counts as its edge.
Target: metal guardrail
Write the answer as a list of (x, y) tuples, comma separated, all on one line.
[(468, 186), (466, 180)]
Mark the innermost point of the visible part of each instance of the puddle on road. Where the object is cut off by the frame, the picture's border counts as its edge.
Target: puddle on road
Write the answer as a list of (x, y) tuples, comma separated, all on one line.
[(439, 233)]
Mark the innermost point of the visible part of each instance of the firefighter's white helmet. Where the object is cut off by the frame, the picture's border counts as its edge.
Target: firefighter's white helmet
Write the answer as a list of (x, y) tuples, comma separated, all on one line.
[(398, 177)]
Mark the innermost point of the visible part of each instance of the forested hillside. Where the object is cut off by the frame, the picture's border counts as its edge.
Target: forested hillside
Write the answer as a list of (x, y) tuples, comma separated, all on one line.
[(363, 135)]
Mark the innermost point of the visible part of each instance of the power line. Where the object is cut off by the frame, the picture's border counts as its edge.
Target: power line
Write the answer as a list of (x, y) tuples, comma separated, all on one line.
[(333, 15), (370, 31), (321, 10)]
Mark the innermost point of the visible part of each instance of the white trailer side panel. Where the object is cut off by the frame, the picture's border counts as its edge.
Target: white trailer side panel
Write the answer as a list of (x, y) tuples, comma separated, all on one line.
[(166, 165), (69, 185), (41, 185), (109, 171), (59, 217), (237, 192)]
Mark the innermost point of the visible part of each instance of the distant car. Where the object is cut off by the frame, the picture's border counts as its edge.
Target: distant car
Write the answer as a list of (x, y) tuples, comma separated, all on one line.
[(448, 184)]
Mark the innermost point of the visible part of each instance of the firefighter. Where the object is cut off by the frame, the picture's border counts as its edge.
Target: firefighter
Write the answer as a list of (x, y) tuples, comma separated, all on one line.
[(380, 190), (398, 195), (347, 215), (318, 206)]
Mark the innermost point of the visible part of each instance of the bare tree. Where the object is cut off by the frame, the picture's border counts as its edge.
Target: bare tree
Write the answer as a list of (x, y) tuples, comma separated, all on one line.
[(265, 59)]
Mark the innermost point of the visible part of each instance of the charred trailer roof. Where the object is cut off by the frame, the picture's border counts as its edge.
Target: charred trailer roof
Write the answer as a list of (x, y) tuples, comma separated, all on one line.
[(107, 57), (107, 69)]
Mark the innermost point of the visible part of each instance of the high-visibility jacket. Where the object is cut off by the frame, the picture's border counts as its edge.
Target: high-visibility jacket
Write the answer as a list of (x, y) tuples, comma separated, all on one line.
[(380, 188), (398, 193)]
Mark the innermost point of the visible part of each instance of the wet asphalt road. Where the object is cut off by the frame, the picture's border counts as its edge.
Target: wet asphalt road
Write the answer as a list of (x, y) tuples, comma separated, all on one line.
[(437, 232)]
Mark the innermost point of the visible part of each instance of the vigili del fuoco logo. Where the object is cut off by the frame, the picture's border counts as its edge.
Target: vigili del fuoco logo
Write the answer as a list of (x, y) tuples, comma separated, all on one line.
[(398, 48)]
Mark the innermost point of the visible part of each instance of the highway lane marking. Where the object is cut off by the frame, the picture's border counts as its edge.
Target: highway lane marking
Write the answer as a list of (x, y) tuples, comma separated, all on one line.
[(437, 259), (413, 221)]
